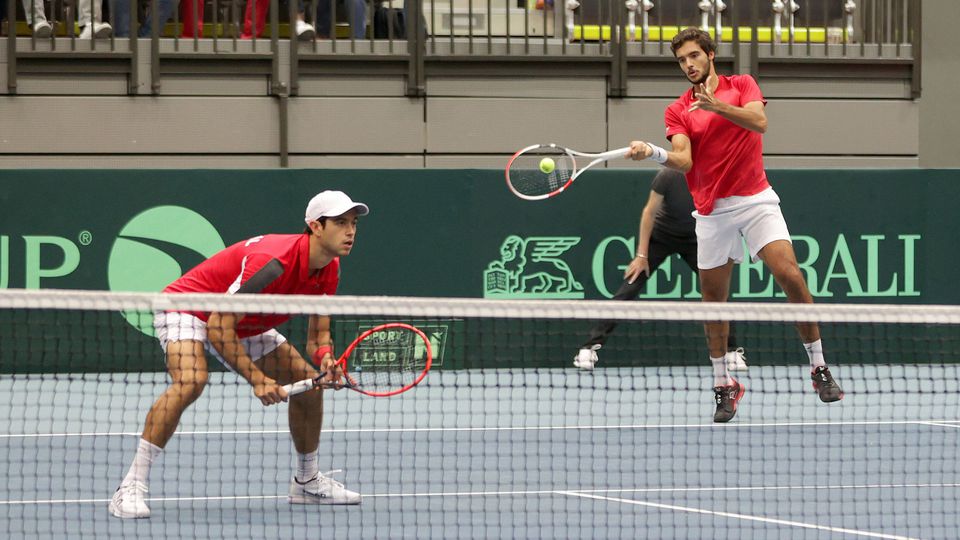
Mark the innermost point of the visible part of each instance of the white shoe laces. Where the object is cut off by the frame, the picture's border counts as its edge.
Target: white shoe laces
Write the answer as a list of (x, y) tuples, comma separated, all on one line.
[(134, 490), (325, 477)]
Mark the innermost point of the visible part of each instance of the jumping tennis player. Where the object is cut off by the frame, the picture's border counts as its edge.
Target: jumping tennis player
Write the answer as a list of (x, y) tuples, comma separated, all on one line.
[(306, 263), (716, 132)]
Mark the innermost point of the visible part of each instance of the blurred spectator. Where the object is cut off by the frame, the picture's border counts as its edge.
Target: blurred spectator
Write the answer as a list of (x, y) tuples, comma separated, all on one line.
[(303, 29), (94, 28), (38, 21), (358, 17), (187, 17), (122, 17)]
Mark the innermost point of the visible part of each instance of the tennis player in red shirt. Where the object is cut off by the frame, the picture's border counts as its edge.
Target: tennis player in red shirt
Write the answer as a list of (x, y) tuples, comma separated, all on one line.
[(716, 133), (250, 345)]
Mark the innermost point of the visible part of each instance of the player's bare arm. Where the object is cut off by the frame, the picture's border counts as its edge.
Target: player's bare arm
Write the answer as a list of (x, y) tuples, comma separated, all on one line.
[(222, 335), (751, 116), (320, 342), (640, 263)]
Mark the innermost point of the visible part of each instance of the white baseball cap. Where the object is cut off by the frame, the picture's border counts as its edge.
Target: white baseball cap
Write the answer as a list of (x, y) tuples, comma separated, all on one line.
[(331, 204)]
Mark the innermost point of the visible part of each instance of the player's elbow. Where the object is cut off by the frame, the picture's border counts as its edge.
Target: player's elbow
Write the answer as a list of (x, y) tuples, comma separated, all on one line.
[(761, 125)]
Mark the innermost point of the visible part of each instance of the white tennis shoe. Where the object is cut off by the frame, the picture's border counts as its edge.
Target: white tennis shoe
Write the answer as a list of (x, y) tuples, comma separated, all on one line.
[(305, 31), (321, 489), (586, 358), (736, 360), (129, 501)]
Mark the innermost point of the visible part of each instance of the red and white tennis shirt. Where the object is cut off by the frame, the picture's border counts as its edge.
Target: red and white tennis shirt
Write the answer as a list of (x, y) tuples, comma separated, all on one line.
[(235, 265)]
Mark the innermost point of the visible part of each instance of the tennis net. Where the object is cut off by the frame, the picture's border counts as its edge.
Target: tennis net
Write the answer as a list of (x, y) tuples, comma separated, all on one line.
[(504, 438)]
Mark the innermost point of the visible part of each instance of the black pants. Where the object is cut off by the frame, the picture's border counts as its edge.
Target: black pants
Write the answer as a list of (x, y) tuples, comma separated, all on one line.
[(660, 249)]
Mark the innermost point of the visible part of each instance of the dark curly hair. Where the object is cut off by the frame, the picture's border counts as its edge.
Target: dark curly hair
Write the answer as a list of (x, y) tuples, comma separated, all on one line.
[(702, 38)]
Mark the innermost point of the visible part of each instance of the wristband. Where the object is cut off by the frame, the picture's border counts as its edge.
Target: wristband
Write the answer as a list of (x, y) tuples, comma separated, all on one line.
[(640, 256), (322, 351), (659, 154)]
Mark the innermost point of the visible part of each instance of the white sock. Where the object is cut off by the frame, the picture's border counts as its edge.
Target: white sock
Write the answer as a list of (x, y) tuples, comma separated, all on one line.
[(147, 453), (815, 352), (307, 466), (720, 375)]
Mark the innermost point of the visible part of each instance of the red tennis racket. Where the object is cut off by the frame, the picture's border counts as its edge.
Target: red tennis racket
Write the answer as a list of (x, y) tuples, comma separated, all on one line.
[(528, 179), (383, 361)]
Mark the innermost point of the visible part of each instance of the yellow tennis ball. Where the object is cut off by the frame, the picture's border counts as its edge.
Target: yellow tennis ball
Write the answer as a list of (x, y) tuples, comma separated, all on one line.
[(547, 165)]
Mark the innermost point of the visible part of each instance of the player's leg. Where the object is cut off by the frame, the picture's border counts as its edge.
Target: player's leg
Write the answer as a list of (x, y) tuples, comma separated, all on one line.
[(586, 357), (735, 356), (305, 415), (187, 367), (715, 287), (718, 248), (768, 240), (782, 262)]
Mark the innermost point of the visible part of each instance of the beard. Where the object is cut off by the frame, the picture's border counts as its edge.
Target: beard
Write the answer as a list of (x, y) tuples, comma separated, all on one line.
[(702, 80)]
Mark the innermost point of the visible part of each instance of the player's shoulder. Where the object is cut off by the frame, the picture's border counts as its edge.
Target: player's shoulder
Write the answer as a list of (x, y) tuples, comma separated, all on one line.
[(682, 100), (739, 80), (267, 246)]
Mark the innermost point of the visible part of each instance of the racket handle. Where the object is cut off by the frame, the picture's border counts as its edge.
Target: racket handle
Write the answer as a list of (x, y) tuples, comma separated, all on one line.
[(619, 152), (298, 387)]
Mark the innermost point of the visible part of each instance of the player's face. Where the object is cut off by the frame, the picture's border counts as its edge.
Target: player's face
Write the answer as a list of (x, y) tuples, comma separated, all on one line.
[(338, 234), (694, 62)]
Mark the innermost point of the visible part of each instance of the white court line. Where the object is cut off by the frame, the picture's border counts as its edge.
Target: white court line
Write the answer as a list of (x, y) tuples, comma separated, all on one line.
[(584, 492), (741, 516), (503, 428), (941, 424)]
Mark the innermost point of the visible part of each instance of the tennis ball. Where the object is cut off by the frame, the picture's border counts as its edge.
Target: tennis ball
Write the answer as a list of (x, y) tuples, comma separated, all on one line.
[(547, 165)]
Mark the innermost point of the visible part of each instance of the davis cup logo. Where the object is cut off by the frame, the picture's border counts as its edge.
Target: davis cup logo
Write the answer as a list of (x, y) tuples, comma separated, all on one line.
[(156, 247)]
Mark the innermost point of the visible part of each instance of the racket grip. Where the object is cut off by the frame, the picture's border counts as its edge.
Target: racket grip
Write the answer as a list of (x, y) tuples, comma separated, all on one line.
[(298, 387), (612, 154)]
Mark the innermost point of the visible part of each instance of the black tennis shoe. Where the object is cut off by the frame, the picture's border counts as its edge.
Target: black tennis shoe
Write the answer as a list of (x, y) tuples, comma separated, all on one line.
[(727, 398), (827, 388)]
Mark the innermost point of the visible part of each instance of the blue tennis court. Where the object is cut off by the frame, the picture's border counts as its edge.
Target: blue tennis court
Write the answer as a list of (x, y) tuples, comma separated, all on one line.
[(625, 452)]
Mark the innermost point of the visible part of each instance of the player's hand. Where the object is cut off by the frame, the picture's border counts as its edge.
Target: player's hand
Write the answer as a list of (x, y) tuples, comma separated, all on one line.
[(639, 265), (333, 372), (706, 99), (639, 151), (269, 392)]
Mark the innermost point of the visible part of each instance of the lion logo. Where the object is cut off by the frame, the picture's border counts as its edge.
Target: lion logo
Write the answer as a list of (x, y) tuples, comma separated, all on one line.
[(531, 268)]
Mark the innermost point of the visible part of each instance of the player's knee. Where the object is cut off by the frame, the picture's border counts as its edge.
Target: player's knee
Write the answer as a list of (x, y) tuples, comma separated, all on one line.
[(190, 388), (713, 294), (789, 275)]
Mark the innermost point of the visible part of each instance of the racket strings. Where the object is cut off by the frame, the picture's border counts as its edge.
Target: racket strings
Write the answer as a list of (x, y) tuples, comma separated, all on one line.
[(527, 177), (388, 361)]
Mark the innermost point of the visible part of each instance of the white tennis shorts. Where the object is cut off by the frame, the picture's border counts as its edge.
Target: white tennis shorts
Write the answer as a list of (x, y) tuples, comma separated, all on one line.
[(756, 219), (175, 326)]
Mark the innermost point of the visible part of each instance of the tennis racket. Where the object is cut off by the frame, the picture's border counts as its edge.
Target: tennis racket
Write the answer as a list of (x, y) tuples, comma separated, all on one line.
[(383, 361), (527, 180)]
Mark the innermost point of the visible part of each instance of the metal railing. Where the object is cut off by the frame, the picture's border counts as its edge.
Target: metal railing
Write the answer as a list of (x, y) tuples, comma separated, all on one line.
[(611, 33)]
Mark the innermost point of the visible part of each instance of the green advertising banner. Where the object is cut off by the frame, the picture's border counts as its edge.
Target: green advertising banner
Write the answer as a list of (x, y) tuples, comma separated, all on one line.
[(864, 236), (860, 236)]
